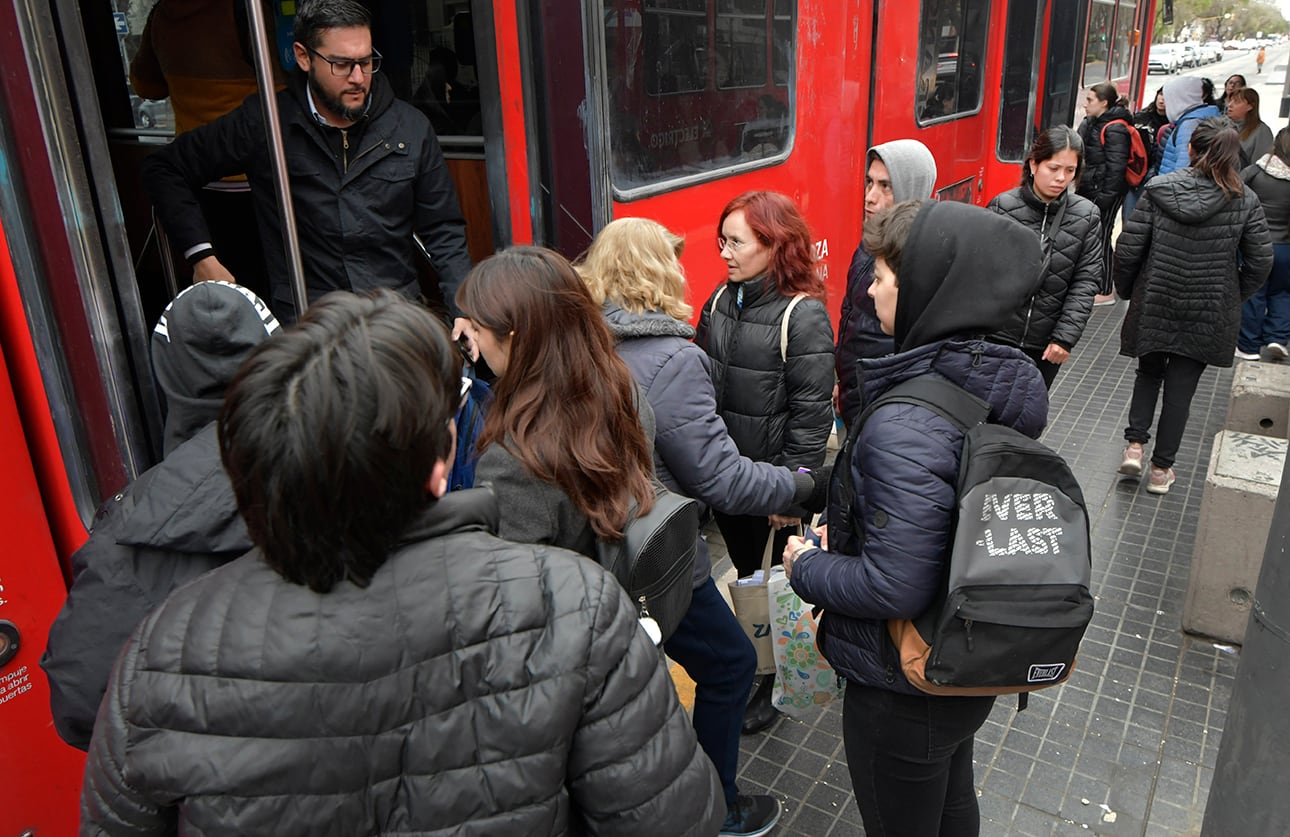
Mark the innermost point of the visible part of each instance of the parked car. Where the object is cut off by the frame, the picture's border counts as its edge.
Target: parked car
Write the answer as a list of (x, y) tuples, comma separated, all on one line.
[(1190, 52), (1164, 58), (1214, 50)]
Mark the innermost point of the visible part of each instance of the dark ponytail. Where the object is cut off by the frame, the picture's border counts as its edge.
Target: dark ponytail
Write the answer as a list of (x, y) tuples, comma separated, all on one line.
[(1109, 93)]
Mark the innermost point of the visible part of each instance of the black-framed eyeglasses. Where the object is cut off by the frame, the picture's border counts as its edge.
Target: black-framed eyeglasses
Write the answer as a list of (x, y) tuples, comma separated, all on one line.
[(342, 68)]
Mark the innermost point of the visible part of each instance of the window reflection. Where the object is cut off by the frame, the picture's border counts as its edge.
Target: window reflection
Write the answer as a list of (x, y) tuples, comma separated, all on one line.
[(950, 55)]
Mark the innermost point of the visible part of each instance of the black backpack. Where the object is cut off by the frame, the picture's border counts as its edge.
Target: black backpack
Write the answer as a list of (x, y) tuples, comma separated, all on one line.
[(654, 562), (1015, 600)]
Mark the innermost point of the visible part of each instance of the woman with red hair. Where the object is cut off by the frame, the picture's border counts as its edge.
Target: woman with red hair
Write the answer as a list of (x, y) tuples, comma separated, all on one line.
[(768, 334)]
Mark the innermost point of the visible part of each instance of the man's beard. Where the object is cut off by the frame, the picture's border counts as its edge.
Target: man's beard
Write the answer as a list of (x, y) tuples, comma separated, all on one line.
[(335, 104)]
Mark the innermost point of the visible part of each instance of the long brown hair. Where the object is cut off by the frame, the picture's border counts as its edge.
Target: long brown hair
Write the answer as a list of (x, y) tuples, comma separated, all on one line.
[(566, 406), (1216, 154), (777, 223), (1252, 119)]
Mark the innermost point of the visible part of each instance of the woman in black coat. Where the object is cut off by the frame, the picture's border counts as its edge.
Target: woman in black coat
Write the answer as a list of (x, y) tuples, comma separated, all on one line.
[(776, 404), (1105, 132), (1069, 228), (1196, 247)]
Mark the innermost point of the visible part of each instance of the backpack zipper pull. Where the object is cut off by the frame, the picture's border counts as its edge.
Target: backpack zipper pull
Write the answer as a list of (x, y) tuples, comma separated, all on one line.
[(976, 353), (967, 627)]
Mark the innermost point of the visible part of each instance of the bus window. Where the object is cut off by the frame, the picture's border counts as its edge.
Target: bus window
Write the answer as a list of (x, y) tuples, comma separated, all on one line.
[(951, 55), (1062, 72), (697, 89), (1122, 46), (1018, 78), (150, 109), (1097, 48)]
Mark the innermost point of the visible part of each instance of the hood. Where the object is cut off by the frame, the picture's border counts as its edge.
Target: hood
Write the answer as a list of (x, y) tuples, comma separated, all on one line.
[(186, 503), (1181, 95), (198, 345), (625, 325), (964, 271), (1001, 376), (1187, 197), (911, 166), (1274, 166)]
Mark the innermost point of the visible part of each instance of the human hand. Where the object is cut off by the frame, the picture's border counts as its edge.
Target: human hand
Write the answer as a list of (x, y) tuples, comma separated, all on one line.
[(209, 269), (779, 521), (792, 551), (462, 330), (1056, 354), (822, 532)]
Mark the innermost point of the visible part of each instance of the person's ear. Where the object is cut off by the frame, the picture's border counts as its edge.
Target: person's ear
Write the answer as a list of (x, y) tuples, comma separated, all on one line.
[(302, 56), (437, 482)]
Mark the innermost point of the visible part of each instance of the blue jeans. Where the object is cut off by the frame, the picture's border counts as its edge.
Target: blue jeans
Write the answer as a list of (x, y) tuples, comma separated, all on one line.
[(1265, 317), (712, 647)]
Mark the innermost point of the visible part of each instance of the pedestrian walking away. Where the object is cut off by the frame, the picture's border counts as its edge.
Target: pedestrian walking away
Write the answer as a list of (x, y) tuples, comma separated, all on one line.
[(1105, 133), (1265, 317)]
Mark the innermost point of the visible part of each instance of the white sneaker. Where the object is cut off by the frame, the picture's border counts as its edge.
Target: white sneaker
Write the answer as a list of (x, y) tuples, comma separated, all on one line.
[(1275, 352), (1132, 464), (1240, 355)]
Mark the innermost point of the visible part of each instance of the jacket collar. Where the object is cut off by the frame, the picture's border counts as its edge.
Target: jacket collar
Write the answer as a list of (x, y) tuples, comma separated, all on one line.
[(468, 510), (625, 325)]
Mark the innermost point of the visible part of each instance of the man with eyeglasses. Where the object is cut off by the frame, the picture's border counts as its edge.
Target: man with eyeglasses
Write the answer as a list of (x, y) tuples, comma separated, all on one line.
[(366, 173)]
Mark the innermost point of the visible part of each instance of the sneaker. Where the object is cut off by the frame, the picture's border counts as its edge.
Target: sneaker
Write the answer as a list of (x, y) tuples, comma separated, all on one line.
[(1104, 299), (1246, 355), (1274, 352), (751, 816), (1132, 464), (1160, 481)]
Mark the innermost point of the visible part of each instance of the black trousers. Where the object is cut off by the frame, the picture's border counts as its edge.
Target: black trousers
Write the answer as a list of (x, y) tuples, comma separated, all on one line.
[(910, 758), (1046, 367), (1108, 254), (745, 537), (1179, 375)]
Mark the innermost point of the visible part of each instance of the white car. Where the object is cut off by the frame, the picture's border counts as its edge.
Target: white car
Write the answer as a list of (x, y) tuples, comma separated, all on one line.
[(1214, 50), (1164, 58)]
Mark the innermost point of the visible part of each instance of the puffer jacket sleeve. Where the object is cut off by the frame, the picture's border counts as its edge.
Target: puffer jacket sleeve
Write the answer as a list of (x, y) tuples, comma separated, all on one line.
[(1132, 245), (110, 803), (692, 441), (1256, 248), (1115, 160), (909, 461), (808, 373), (1084, 285), (635, 767)]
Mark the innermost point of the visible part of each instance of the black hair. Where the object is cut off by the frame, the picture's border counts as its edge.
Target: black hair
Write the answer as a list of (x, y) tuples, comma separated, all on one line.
[(1051, 142), (1109, 93), (313, 17), (330, 431), (1216, 153), (1281, 145)]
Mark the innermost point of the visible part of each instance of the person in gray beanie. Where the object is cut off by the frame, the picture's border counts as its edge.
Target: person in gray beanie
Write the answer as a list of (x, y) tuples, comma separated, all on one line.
[(900, 170), (178, 520)]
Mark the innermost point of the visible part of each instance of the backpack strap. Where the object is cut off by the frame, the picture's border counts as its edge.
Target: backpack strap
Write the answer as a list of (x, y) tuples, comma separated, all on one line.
[(938, 394), (783, 327), (712, 306)]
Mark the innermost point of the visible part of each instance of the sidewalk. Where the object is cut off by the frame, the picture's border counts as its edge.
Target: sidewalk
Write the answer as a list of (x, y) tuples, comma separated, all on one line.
[(1127, 745)]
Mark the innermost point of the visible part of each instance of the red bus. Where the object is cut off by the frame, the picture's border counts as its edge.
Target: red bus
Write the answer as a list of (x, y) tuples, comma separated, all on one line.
[(564, 115)]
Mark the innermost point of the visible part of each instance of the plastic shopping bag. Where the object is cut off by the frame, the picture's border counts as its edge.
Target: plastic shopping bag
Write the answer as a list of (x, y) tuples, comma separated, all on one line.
[(803, 678)]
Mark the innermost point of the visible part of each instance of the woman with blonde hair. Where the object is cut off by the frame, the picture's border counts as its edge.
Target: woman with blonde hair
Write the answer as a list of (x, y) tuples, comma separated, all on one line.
[(632, 271)]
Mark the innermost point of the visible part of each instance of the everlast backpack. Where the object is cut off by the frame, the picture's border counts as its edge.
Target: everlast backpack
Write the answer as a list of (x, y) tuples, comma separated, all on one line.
[(1015, 600), (1139, 160)]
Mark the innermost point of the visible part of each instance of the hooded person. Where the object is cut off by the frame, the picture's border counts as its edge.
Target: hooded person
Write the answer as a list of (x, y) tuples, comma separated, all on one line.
[(178, 520), (945, 275), (1185, 106), (900, 170)]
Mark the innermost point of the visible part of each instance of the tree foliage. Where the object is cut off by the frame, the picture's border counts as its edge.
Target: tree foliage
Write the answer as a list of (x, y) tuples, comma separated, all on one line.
[(1205, 19)]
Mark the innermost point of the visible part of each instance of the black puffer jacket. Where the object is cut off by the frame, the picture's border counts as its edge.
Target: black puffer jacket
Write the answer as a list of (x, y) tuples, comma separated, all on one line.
[(1060, 308), (776, 411), (1103, 181), (1186, 260), (475, 687), (177, 521), (1269, 178), (356, 209)]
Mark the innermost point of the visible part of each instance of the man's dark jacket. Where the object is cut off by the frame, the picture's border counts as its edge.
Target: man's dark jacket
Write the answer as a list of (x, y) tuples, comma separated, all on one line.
[(474, 687), (860, 335), (776, 411), (356, 209), (175, 522), (1186, 260), (1061, 306), (1104, 163)]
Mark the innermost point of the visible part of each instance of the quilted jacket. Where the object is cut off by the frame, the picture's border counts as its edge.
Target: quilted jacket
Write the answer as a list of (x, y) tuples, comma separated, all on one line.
[(905, 466), (1060, 308), (1186, 260), (693, 453), (475, 687), (776, 411), (860, 335), (1104, 163), (1173, 154)]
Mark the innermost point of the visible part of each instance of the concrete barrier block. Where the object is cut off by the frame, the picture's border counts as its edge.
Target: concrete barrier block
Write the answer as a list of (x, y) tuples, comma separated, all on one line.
[(1235, 515), (1260, 399)]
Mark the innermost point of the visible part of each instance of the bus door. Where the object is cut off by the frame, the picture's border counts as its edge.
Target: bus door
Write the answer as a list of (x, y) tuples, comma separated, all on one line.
[(693, 102), (1063, 64), (932, 63)]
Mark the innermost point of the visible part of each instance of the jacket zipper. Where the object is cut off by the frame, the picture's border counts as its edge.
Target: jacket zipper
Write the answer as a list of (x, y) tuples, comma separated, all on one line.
[(344, 141)]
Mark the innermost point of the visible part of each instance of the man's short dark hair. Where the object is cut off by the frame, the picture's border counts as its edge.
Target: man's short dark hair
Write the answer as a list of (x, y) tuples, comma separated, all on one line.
[(886, 231), (330, 431), (313, 17)]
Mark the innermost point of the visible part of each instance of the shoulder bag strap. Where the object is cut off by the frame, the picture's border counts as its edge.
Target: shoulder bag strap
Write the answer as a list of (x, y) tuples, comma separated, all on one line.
[(783, 327), (712, 306)]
